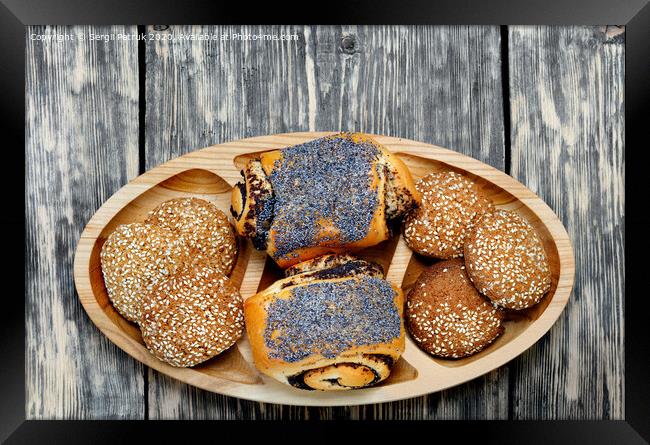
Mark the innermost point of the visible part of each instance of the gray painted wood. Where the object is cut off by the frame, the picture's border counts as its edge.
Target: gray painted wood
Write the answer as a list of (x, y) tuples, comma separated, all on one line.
[(81, 146), (435, 84), (566, 93)]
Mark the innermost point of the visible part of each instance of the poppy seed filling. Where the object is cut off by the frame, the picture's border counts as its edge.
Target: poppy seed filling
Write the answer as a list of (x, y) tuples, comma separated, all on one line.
[(328, 318), (326, 179)]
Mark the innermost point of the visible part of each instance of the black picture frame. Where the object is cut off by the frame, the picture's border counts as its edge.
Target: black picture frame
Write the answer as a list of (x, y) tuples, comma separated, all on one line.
[(635, 15)]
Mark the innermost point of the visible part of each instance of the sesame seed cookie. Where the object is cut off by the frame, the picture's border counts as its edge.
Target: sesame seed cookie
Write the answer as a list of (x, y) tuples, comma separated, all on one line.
[(447, 316), (506, 260), (134, 258), (191, 317), (203, 226), (450, 205)]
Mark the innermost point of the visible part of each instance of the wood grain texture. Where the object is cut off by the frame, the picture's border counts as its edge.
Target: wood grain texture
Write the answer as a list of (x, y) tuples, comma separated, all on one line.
[(435, 84), (81, 146), (566, 92)]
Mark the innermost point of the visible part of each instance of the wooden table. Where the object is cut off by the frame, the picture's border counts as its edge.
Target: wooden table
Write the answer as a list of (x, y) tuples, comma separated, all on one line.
[(544, 104)]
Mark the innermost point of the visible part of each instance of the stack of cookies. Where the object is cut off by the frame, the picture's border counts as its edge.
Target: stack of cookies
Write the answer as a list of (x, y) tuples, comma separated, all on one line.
[(169, 275), (493, 261)]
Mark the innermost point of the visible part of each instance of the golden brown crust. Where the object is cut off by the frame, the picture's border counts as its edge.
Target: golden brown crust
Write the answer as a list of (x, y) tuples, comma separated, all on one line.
[(191, 317), (451, 204), (135, 258), (506, 260), (446, 315), (324, 367), (204, 228)]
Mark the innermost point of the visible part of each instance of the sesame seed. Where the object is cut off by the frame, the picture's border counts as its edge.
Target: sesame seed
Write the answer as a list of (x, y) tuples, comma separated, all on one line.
[(191, 317), (136, 257), (450, 206), (203, 227), (505, 258), (451, 319)]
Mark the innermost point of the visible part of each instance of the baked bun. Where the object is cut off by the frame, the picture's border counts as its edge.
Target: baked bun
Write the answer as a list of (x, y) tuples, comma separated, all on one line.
[(330, 195), (446, 315), (135, 258), (506, 260), (450, 206), (327, 333), (191, 317), (204, 228)]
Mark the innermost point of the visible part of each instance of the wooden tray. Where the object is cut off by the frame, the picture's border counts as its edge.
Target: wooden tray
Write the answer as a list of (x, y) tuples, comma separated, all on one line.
[(211, 172)]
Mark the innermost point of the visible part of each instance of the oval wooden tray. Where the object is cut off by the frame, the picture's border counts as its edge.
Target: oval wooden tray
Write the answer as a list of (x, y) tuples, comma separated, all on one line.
[(211, 172)]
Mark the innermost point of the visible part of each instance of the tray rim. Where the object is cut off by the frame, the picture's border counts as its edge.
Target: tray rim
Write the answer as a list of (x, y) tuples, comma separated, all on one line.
[(214, 154)]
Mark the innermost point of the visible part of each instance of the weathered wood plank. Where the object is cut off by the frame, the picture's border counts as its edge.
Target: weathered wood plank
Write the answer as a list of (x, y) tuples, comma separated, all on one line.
[(566, 91), (81, 146), (436, 84)]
